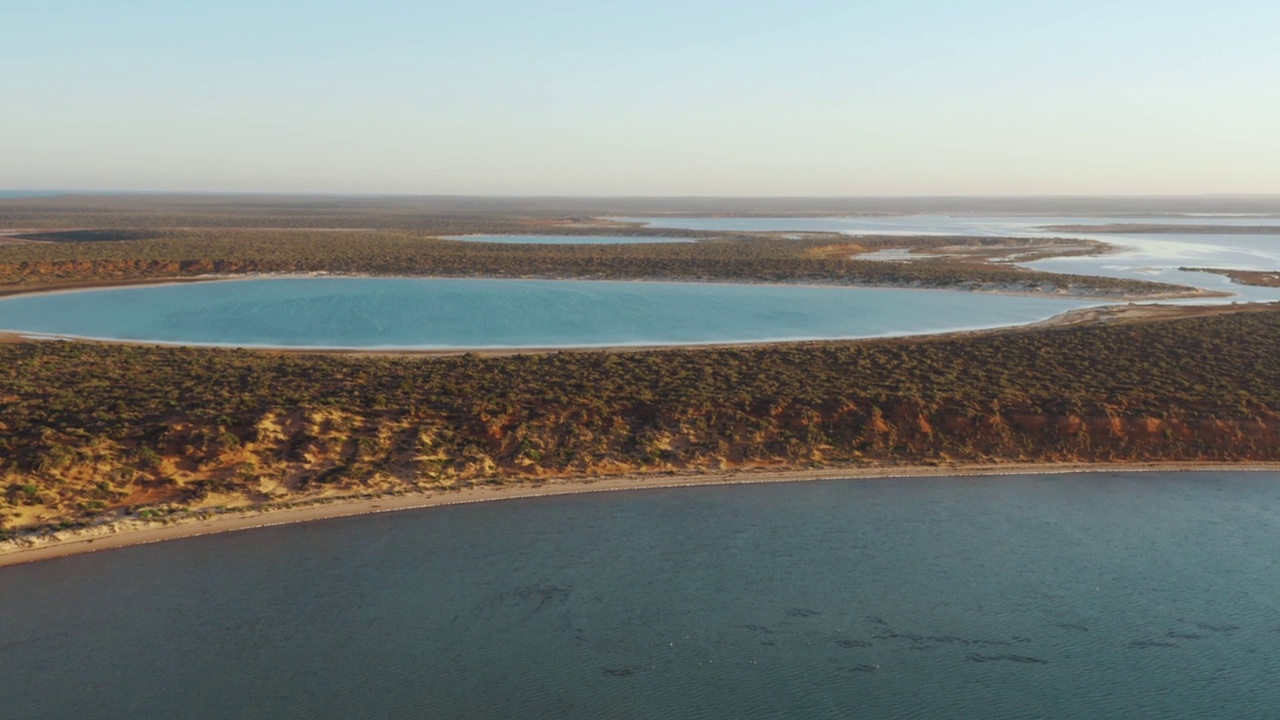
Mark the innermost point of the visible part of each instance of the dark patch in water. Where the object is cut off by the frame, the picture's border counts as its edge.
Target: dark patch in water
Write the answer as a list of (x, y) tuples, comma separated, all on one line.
[(977, 657), (542, 593), (1142, 644), (802, 612), (875, 620), (757, 628), (924, 642), (1072, 626), (864, 668), (1218, 628), (622, 671), (900, 636), (846, 643), (1183, 636)]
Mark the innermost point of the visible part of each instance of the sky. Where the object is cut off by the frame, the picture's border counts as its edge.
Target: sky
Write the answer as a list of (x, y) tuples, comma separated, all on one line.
[(660, 97)]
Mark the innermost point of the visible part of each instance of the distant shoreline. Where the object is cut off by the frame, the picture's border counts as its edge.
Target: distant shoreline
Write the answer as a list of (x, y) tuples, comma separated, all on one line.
[(73, 286), (1168, 229), (132, 532)]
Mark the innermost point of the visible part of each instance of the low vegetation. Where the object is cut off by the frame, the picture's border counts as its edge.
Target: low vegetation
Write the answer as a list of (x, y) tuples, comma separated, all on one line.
[(1259, 278), (1164, 229), (89, 431), (436, 213), (77, 240), (813, 259)]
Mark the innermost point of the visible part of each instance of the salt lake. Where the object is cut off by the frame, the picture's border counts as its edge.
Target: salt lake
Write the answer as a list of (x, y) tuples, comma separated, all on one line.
[(440, 313), (1145, 256), (569, 239)]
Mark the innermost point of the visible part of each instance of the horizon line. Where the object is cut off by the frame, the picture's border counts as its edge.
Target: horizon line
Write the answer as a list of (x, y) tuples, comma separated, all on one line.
[(292, 193)]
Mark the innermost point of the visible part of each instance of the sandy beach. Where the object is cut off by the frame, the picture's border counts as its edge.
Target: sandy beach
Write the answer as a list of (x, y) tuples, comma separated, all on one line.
[(126, 533)]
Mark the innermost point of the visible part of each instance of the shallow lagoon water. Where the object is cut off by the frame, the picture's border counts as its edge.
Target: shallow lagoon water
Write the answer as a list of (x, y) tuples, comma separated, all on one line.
[(1154, 257), (420, 313), (1147, 595), (926, 224), (569, 239)]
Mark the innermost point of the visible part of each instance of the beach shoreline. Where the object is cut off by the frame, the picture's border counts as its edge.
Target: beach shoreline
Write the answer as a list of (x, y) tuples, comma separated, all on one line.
[(124, 533)]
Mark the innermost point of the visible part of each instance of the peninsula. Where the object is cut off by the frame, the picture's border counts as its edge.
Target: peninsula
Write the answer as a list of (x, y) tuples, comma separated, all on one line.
[(105, 439)]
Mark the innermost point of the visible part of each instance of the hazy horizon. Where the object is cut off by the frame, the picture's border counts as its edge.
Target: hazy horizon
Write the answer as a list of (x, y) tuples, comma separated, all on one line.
[(319, 194), (658, 99)]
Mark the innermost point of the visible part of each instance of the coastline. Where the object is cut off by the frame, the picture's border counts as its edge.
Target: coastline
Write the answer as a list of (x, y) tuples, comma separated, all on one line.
[(128, 533)]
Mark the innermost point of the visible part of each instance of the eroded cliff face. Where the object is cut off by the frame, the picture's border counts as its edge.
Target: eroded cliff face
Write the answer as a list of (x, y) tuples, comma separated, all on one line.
[(305, 454)]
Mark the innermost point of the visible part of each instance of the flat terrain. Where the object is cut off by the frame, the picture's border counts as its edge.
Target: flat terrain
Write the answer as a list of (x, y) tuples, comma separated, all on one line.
[(1246, 277), (69, 241), (814, 259), (1158, 229)]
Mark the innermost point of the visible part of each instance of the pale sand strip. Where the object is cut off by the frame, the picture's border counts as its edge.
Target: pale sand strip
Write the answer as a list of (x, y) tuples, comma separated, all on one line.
[(138, 533)]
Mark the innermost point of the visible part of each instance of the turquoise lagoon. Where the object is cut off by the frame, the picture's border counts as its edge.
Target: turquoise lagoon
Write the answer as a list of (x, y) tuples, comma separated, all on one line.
[(436, 313), (1150, 595), (569, 239)]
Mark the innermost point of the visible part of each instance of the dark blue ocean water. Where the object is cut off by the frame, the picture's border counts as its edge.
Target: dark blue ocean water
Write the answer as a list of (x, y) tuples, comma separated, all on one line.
[(1064, 596)]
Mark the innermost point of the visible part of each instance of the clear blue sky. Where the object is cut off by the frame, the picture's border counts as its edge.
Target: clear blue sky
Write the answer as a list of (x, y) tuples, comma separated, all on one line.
[(659, 97)]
